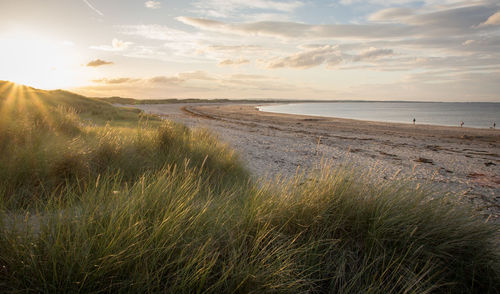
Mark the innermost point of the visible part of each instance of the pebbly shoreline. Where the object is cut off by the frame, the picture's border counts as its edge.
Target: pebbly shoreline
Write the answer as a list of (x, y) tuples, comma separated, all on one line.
[(462, 162)]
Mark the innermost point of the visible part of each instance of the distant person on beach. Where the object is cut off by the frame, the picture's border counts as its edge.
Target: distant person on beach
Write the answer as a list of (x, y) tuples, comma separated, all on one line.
[(461, 124), (494, 124), (414, 120)]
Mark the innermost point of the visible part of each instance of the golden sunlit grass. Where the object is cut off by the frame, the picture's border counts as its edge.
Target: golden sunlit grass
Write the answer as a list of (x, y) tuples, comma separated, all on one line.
[(50, 145), (99, 199)]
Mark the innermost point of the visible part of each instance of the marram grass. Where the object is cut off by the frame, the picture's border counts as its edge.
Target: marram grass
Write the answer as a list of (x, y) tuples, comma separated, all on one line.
[(169, 231), (154, 208)]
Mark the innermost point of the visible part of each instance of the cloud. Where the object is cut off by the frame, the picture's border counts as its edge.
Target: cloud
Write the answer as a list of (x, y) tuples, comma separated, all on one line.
[(442, 28), (373, 54), (195, 75), (429, 86), (152, 4), (234, 48), (424, 63), (309, 58), (437, 22), (192, 46), (93, 8), (278, 16), (390, 14), (386, 24), (116, 45), (233, 5), (157, 32), (145, 81), (293, 30), (165, 80), (468, 42), (250, 77), (194, 84), (493, 20), (98, 62), (231, 8), (222, 87), (227, 53), (456, 20), (159, 80), (119, 44), (422, 37), (315, 55), (115, 81), (402, 2), (231, 62)]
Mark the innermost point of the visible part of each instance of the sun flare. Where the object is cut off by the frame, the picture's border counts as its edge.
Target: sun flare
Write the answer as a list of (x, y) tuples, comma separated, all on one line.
[(39, 62)]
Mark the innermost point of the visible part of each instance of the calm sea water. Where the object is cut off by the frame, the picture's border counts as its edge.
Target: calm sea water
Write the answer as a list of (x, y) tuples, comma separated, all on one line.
[(473, 114)]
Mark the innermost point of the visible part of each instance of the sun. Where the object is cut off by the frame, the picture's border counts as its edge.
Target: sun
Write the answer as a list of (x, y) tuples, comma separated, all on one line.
[(37, 61)]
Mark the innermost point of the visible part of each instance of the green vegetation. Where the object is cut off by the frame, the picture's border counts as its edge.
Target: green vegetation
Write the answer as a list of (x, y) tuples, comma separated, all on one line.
[(50, 146), (101, 199), (132, 101), (121, 100)]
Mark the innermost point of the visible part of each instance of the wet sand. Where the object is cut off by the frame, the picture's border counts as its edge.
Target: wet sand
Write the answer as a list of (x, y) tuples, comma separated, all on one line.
[(463, 162)]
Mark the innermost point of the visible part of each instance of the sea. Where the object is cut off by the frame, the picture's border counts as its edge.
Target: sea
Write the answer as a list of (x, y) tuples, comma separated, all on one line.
[(472, 114)]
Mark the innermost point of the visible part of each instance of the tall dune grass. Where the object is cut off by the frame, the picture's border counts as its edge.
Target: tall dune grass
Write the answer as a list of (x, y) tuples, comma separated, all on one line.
[(171, 231), (47, 148), (158, 207)]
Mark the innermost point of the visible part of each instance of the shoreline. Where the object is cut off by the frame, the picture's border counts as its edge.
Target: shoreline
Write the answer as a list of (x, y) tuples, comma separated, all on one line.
[(376, 121), (262, 108), (251, 112), (462, 162)]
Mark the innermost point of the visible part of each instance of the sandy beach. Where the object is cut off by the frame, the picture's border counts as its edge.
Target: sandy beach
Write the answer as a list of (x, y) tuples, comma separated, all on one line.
[(463, 162)]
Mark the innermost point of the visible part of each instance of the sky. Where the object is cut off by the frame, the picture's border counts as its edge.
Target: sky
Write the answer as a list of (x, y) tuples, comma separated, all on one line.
[(425, 50)]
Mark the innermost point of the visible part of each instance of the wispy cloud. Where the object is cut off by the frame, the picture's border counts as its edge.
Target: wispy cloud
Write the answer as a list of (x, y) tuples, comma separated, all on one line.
[(166, 80), (387, 23), (391, 14), (99, 62), (234, 62), (176, 43), (331, 55), (231, 8), (195, 84), (439, 22), (445, 41), (328, 54), (294, 30), (172, 80), (251, 77), (92, 7), (152, 4), (116, 45), (157, 32), (373, 53), (493, 20), (196, 75), (115, 81), (383, 24), (402, 2), (234, 48)]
